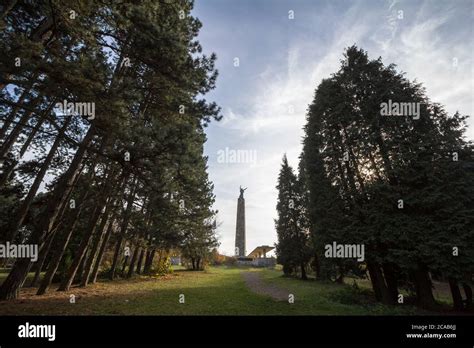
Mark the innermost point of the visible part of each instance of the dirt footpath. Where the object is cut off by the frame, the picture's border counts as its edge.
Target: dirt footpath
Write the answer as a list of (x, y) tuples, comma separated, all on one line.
[(256, 284)]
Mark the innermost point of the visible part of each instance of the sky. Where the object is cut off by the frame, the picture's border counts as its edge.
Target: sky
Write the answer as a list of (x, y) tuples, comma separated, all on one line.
[(282, 56)]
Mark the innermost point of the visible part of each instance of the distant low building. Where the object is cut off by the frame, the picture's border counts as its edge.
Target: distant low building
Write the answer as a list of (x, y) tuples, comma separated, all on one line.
[(259, 257), (175, 260), (260, 251)]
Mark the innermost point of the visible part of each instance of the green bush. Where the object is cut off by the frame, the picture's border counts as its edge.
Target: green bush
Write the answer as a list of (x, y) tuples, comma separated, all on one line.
[(351, 295)]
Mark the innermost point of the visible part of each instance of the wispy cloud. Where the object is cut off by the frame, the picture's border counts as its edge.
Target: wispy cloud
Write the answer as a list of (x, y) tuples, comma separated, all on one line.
[(264, 106)]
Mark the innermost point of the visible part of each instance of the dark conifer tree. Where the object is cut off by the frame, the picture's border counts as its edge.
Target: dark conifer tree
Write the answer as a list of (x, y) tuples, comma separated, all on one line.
[(292, 249), (391, 178)]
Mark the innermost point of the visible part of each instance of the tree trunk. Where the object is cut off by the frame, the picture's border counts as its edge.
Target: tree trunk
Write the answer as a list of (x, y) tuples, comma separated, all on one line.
[(57, 256), (39, 33), (198, 263), (286, 270), (378, 284), (468, 292), (91, 228), (116, 258), (146, 267), (456, 294), (303, 272), (149, 262), (131, 269), (13, 136), (317, 267), (124, 265), (103, 247), (25, 205), (140, 261), (123, 229), (15, 108), (95, 248), (110, 207), (64, 186), (41, 260), (78, 276), (63, 240), (424, 290), (11, 286), (7, 173), (391, 280)]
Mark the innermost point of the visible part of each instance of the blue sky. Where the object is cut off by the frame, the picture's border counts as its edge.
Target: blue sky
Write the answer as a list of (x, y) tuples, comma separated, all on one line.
[(281, 62)]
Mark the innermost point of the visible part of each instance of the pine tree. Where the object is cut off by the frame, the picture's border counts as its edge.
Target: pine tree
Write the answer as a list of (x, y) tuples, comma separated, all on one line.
[(292, 249), (143, 69)]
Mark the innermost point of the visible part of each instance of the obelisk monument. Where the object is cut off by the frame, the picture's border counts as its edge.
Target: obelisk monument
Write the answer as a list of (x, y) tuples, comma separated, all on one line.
[(240, 227)]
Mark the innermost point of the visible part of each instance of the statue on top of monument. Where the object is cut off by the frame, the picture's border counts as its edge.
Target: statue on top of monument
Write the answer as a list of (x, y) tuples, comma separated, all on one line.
[(242, 192)]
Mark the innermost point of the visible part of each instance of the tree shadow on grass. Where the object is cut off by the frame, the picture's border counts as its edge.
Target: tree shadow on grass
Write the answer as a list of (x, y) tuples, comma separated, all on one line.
[(202, 300)]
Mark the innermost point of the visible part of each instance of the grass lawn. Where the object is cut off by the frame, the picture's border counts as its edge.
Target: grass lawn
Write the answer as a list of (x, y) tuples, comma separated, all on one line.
[(326, 298), (216, 291)]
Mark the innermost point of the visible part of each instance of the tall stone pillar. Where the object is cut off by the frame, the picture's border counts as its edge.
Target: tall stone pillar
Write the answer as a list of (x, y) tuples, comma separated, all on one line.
[(240, 227)]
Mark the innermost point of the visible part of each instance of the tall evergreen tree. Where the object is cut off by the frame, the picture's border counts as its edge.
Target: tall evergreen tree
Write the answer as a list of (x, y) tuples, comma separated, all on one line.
[(391, 176), (292, 249), (141, 66)]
